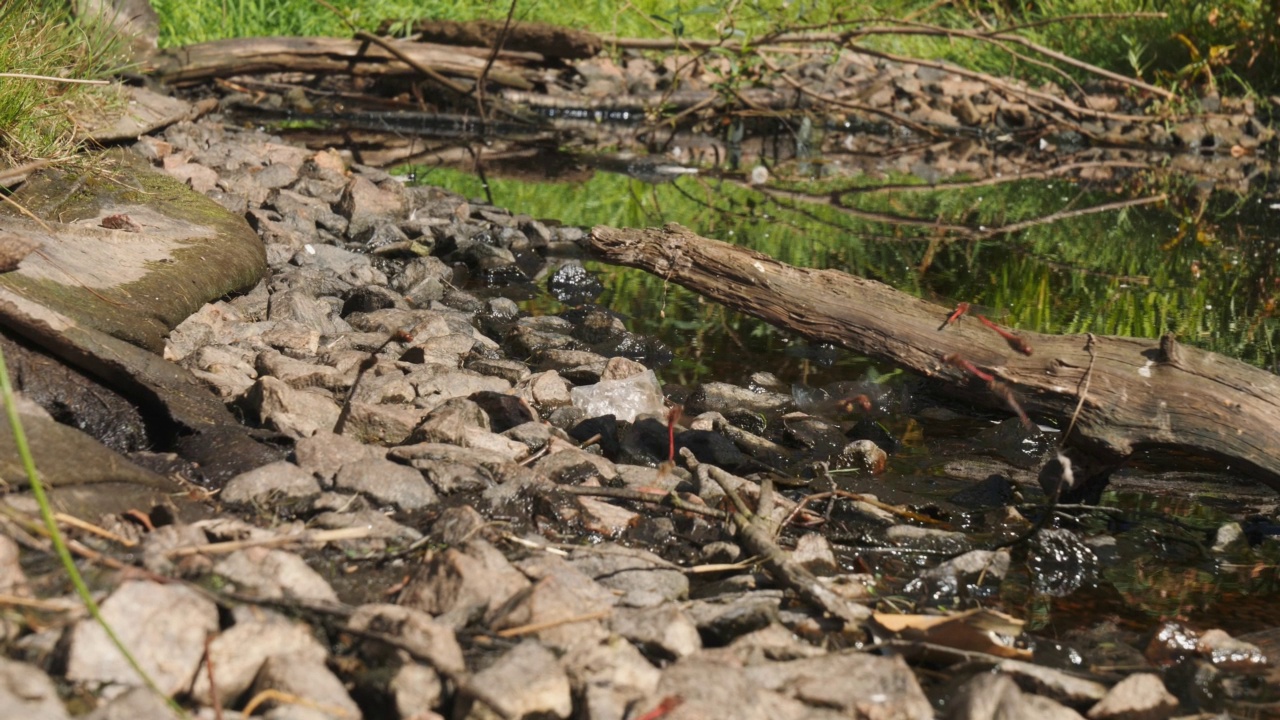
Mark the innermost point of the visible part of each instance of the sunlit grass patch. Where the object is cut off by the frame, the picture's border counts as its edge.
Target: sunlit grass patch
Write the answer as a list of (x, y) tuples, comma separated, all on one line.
[(43, 40)]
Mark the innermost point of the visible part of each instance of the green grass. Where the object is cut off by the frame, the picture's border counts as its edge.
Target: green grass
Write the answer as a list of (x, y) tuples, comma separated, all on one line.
[(34, 121)]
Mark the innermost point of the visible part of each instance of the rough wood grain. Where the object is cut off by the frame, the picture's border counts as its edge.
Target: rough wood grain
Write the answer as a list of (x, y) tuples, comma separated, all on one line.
[(1142, 394), (246, 56)]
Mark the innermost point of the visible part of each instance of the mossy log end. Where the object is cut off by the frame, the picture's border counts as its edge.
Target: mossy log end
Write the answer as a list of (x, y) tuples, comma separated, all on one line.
[(1141, 394)]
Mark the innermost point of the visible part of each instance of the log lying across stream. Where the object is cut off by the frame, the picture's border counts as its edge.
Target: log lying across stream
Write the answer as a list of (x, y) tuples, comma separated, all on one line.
[(1137, 394)]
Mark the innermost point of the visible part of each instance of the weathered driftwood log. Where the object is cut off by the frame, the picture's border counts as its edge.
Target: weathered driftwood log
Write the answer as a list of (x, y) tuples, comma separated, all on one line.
[(247, 56), (1138, 394)]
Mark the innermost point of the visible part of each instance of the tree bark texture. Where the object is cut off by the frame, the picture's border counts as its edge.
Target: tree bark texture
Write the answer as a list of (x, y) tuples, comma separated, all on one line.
[(246, 56), (1138, 394)]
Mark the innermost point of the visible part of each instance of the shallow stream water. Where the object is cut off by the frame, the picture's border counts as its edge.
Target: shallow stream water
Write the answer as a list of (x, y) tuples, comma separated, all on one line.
[(1110, 242)]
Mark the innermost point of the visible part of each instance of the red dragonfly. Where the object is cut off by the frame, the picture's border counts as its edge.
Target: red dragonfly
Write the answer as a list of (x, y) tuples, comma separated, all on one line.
[(1015, 341)]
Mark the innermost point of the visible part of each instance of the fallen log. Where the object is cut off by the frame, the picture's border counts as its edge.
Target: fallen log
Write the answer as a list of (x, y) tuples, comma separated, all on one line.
[(248, 56), (1125, 394)]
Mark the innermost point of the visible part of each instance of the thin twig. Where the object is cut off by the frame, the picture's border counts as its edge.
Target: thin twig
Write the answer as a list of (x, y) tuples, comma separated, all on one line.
[(497, 48), (46, 78), (1091, 346)]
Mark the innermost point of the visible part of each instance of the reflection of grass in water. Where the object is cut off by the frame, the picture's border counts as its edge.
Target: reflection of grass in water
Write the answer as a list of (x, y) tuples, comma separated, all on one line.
[(1115, 273)]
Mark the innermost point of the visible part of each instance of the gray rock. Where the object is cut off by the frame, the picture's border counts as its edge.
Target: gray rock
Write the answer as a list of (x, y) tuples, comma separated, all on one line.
[(726, 619), (459, 583), (855, 683), (296, 413), (435, 384), (1052, 682), (450, 421), (296, 373), (711, 689), (300, 307), (608, 678), (13, 581), (567, 605), (643, 579), (164, 626), (814, 553), (665, 631), (1141, 696), (526, 682), (272, 573), (302, 676), (238, 653), (379, 527), (387, 483), (132, 704), (27, 693), (324, 453), (365, 204), (416, 689), (428, 640), (276, 480)]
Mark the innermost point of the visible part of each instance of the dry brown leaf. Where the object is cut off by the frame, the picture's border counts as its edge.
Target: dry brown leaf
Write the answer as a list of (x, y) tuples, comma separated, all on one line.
[(985, 631)]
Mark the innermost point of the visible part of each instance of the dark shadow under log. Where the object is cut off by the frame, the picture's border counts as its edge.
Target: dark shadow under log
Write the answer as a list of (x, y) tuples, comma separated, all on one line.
[(1141, 395)]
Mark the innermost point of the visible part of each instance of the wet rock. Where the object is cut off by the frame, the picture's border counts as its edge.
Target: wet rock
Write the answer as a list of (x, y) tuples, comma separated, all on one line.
[(1060, 562), (995, 491), (26, 692), (526, 682), (960, 576), (302, 676), (995, 697), (238, 653), (459, 583), (281, 479), (571, 284), (164, 626), (724, 398), (1227, 652), (270, 573), (386, 483), (927, 539), (862, 454), (1141, 696)]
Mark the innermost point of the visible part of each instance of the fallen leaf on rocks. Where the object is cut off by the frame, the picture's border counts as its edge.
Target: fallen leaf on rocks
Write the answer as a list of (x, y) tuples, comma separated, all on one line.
[(985, 631)]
